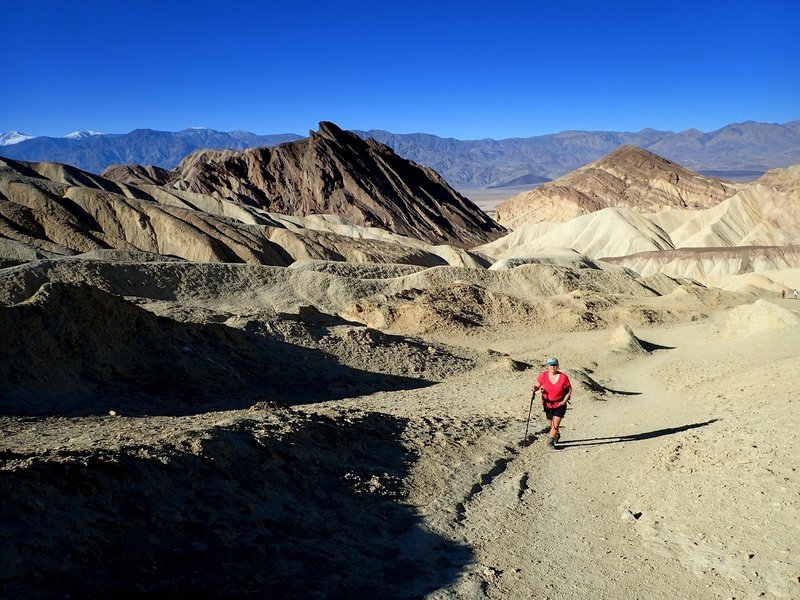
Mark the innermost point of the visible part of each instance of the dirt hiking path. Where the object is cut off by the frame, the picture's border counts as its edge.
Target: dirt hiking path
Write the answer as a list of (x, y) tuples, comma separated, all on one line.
[(646, 497)]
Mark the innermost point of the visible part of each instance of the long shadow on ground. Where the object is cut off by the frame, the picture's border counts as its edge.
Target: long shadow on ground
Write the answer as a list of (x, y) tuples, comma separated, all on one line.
[(76, 351), (635, 437), (249, 511)]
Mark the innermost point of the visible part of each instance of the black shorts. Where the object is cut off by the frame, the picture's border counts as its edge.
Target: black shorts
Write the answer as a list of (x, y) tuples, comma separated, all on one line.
[(556, 411)]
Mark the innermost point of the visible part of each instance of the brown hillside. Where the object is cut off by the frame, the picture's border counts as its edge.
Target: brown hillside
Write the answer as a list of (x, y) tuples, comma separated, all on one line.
[(628, 177), (336, 172), (51, 210), (138, 174)]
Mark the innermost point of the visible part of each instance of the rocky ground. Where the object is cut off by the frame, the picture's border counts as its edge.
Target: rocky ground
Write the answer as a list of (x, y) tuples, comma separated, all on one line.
[(676, 475)]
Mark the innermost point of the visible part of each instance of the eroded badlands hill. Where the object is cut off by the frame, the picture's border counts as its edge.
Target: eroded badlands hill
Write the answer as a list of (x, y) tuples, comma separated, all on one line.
[(51, 210), (628, 177), (335, 172), (755, 230)]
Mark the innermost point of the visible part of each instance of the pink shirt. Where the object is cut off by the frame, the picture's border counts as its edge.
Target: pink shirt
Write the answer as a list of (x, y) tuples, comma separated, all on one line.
[(553, 393)]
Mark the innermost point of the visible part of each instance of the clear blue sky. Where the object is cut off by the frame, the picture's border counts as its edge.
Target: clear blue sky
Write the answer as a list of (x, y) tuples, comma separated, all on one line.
[(463, 69)]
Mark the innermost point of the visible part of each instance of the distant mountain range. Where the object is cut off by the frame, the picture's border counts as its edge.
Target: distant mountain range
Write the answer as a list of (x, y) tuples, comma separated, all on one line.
[(740, 151), (94, 152)]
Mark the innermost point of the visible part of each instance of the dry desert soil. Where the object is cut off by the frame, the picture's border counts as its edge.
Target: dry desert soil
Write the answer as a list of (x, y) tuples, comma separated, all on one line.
[(676, 475), (203, 399)]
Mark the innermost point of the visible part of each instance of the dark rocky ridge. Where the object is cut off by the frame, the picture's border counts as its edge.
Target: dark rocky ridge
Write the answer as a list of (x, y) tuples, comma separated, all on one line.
[(335, 172)]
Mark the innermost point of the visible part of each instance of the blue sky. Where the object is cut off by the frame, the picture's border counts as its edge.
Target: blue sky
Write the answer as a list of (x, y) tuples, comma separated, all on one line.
[(463, 69)]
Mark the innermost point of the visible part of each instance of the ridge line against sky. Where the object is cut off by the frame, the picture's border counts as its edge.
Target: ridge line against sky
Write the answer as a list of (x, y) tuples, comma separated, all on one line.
[(89, 134), (466, 70)]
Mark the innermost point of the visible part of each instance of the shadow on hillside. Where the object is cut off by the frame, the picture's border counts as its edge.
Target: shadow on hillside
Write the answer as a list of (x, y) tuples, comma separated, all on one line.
[(242, 512), (209, 374), (621, 392), (635, 437), (81, 351), (652, 347)]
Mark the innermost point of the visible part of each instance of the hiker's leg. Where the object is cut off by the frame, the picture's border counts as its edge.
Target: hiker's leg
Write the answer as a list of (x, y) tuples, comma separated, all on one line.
[(554, 427)]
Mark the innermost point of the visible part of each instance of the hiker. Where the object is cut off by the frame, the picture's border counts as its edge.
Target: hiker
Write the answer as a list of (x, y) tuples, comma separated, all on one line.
[(556, 392), (783, 294)]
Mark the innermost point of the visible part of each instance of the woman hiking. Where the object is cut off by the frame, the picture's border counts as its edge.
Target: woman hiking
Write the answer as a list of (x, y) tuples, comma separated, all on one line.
[(556, 391)]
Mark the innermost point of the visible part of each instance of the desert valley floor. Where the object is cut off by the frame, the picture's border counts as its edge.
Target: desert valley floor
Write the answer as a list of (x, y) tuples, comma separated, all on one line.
[(675, 478)]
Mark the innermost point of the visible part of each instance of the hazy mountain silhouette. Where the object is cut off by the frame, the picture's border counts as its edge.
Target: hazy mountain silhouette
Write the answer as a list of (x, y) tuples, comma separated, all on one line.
[(739, 151), (141, 146)]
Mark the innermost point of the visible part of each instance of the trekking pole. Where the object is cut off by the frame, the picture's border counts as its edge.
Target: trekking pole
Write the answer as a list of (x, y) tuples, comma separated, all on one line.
[(530, 410)]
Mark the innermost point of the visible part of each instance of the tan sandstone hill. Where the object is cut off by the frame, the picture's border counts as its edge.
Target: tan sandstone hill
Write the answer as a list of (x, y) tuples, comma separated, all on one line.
[(628, 177), (786, 180), (335, 172), (52, 210), (703, 263), (756, 230)]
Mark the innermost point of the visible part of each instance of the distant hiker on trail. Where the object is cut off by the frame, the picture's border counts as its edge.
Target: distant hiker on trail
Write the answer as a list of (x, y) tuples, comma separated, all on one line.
[(556, 392), (783, 294)]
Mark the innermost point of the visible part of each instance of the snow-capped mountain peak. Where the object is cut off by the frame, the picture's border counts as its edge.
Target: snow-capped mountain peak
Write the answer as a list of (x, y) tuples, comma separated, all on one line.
[(77, 135), (13, 137)]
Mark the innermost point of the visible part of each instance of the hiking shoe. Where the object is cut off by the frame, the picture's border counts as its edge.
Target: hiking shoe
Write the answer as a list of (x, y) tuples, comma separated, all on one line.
[(551, 442)]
